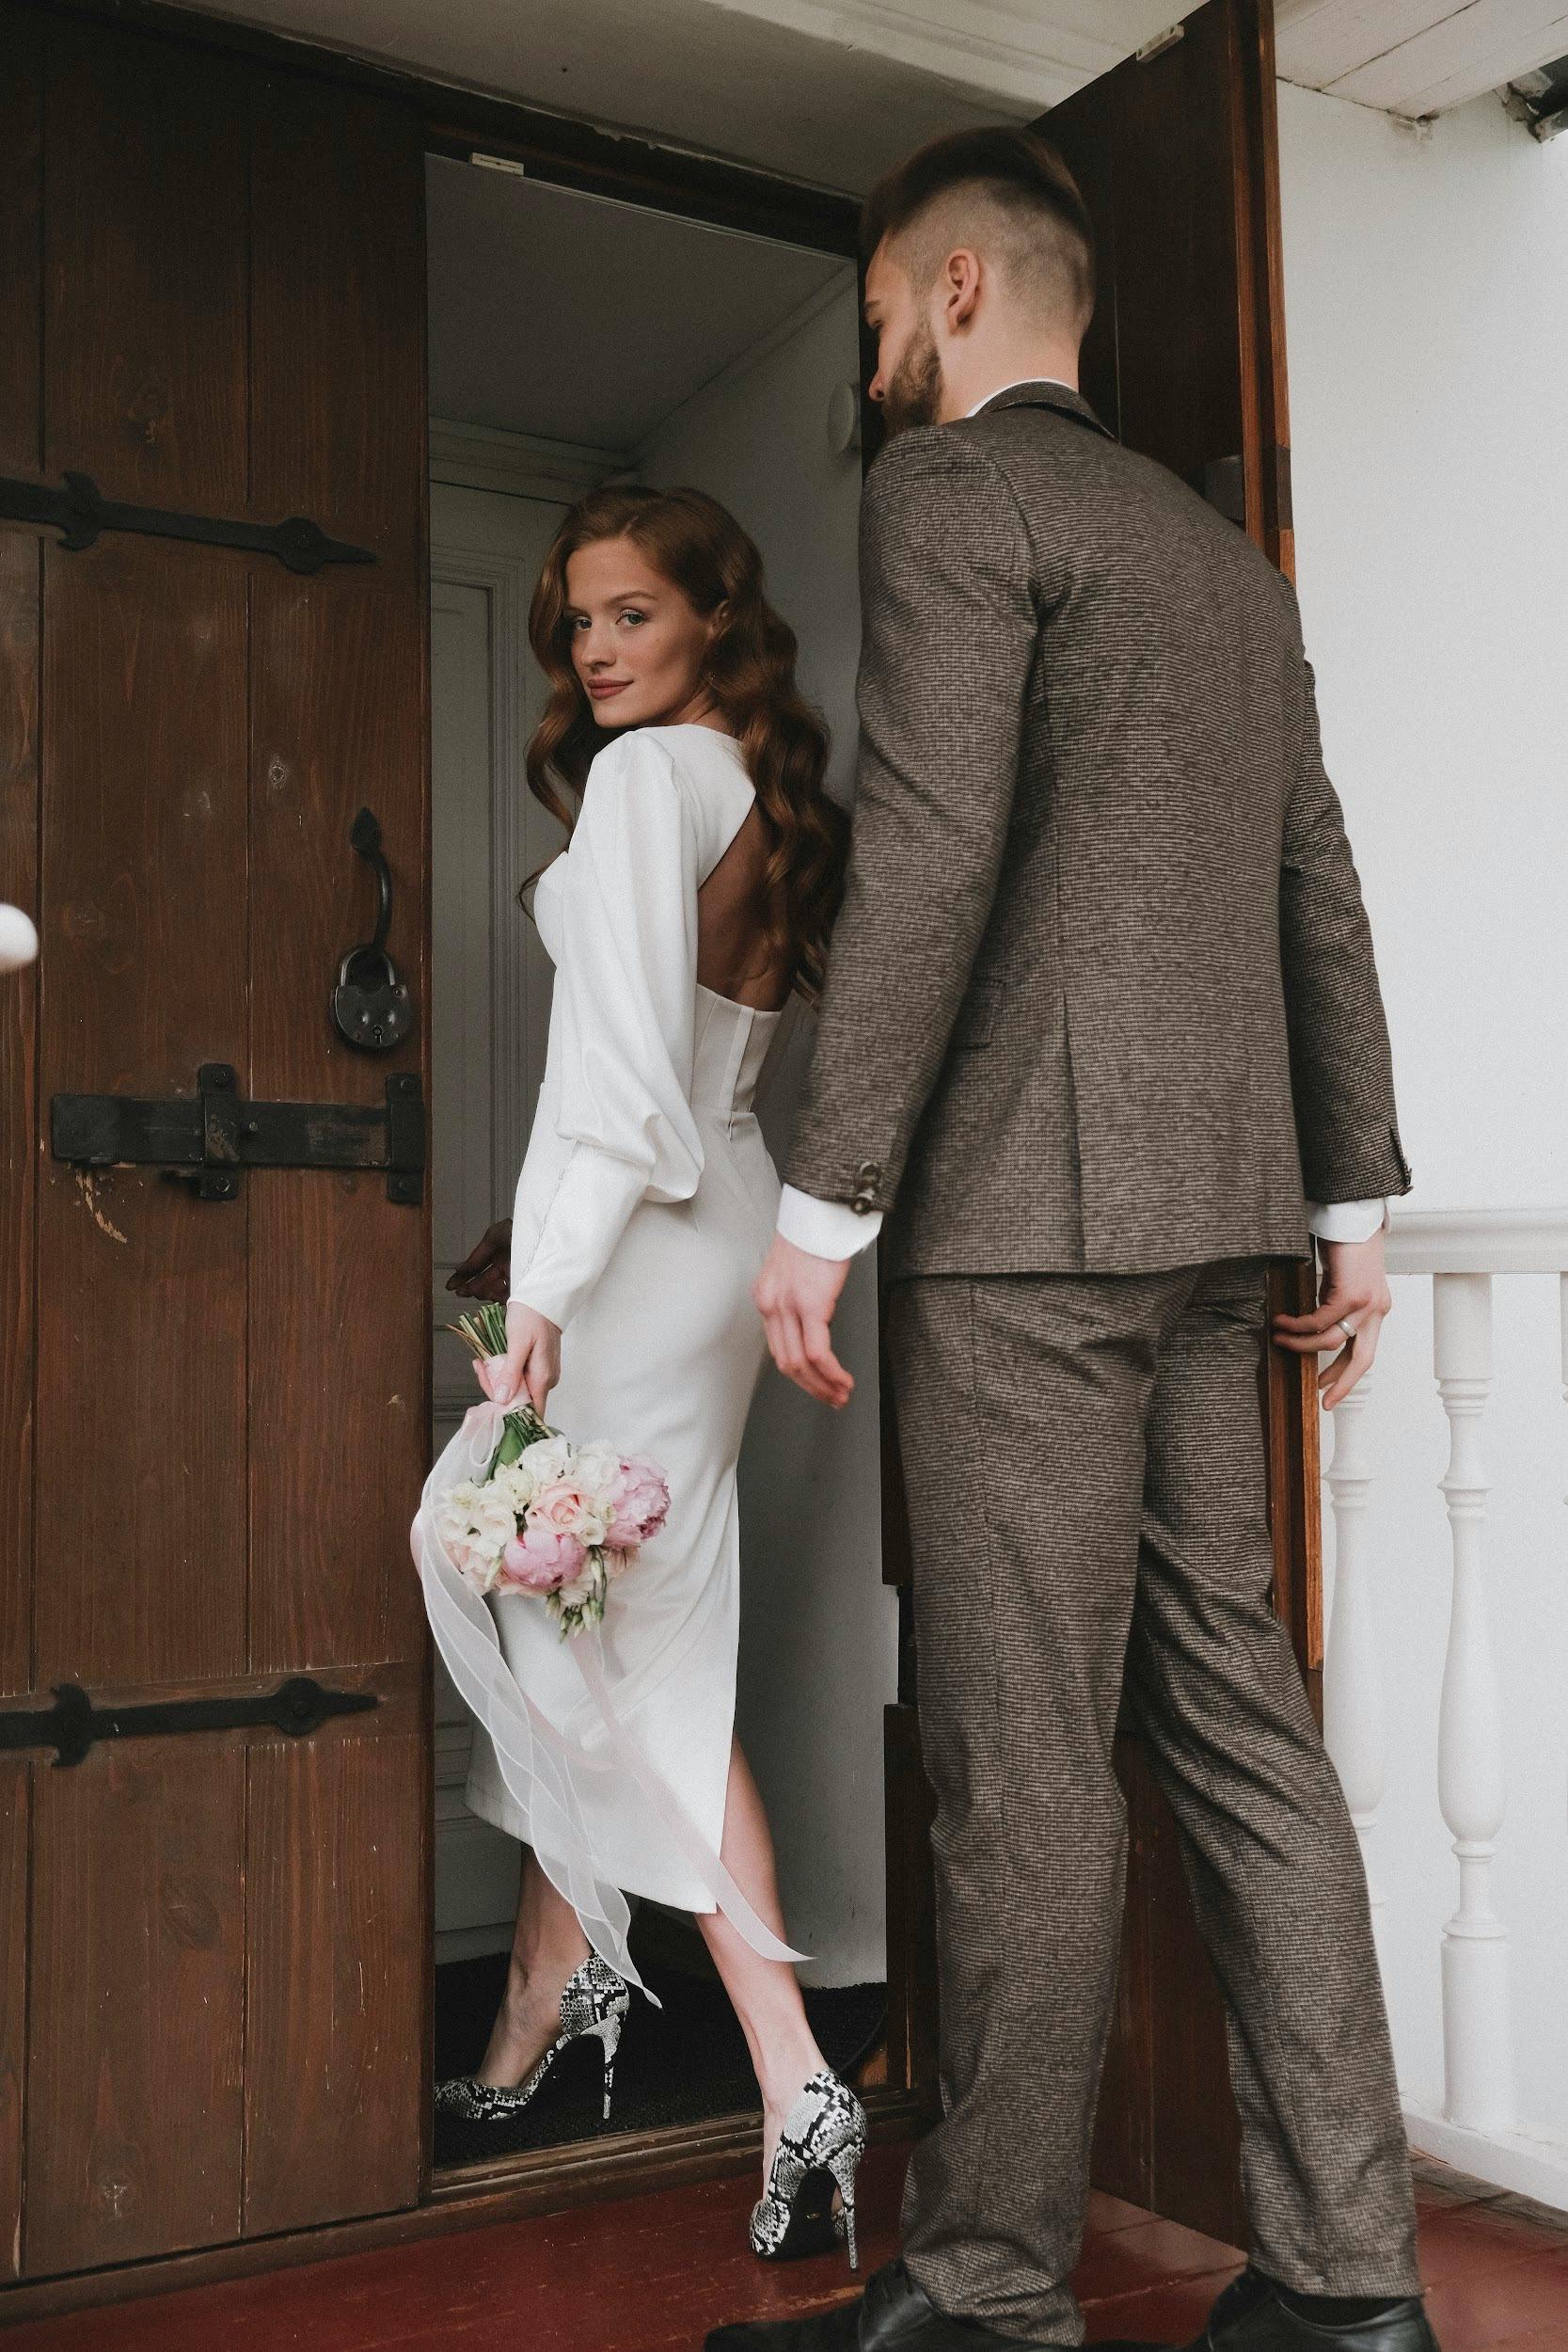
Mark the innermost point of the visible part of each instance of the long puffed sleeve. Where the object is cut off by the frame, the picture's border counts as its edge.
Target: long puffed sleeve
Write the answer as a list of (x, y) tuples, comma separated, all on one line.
[(622, 1023)]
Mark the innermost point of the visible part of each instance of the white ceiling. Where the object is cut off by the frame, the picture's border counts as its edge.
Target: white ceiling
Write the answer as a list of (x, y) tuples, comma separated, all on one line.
[(586, 321), (687, 72), (832, 90), (1416, 57)]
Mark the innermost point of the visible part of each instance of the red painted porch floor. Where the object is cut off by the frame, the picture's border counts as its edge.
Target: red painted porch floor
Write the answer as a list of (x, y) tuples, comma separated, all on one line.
[(650, 2273)]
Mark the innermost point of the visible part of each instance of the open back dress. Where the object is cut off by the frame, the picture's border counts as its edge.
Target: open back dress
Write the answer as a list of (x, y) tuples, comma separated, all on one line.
[(645, 1210)]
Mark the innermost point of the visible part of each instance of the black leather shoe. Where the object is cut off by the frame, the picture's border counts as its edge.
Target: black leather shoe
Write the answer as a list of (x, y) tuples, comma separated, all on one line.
[(1250, 2317), (893, 2316)]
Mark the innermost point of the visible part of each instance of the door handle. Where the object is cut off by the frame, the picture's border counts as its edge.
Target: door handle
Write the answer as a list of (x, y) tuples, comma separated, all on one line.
[(372, 1008)]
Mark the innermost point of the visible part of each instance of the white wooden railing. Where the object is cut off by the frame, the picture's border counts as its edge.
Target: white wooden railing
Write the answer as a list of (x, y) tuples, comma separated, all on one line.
[(1476, 2123)]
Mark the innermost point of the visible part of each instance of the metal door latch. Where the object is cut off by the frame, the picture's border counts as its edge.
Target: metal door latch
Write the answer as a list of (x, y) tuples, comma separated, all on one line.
[(208, 1139)]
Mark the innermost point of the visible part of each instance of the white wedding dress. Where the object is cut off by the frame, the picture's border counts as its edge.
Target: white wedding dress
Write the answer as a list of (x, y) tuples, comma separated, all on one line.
[(643, 1213)]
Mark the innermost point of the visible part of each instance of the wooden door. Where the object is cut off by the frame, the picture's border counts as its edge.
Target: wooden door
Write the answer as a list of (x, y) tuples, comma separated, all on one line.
[(1176, 153), (213, 1941)]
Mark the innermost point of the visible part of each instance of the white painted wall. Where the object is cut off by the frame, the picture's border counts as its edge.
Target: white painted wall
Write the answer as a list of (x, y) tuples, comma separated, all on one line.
[(1428, 351), (819, 1629), (756, 437)]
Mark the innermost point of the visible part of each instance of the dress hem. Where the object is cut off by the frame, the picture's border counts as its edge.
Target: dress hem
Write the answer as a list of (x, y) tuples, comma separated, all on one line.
[(487, 1805)]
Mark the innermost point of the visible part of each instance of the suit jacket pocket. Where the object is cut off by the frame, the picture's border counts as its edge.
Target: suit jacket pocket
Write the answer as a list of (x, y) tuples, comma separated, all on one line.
[(978, 1012)]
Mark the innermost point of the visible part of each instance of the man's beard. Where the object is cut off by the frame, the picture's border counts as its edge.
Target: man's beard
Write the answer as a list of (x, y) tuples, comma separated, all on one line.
[(914, 394)]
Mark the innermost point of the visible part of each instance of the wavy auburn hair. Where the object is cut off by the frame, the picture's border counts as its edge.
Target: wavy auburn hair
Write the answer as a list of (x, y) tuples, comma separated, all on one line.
[(749, 669)]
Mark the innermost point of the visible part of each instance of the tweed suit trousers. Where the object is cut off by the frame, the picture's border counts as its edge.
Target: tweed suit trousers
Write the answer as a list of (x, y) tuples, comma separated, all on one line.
[(1085, 1477)]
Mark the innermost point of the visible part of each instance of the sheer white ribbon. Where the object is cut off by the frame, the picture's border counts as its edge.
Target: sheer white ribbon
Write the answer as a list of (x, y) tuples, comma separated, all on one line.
[(539, 1767)]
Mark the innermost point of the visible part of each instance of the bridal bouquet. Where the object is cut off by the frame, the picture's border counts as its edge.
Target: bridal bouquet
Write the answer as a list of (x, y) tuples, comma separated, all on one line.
[(548, 1517)]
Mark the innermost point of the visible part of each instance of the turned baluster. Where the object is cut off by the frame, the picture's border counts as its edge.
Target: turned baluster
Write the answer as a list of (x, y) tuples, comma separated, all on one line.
[(1476, 2040)]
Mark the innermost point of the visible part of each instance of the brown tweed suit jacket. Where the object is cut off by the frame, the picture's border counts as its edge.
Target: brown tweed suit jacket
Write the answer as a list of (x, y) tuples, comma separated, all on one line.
[(1101, 994)]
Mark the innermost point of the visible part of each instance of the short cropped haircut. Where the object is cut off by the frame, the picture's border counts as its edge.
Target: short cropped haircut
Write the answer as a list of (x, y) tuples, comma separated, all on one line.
[(1007, 192)]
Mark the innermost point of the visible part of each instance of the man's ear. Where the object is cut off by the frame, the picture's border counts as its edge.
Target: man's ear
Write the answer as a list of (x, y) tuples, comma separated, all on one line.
[(962, 276)]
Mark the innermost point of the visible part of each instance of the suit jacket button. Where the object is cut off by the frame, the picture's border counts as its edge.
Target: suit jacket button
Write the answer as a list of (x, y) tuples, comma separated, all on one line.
[(869, 1171), (862, 1202)]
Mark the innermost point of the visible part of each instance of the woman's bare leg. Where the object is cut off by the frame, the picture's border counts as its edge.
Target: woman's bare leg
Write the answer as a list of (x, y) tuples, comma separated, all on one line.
[(548, 1945), (766, 1997)]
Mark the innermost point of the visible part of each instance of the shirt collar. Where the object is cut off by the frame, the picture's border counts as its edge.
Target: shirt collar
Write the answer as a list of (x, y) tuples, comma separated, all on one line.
[(1043, 391), (1013, 386)]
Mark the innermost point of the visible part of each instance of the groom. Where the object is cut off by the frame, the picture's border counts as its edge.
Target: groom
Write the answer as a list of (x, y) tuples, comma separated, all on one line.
[(1102, 1034)]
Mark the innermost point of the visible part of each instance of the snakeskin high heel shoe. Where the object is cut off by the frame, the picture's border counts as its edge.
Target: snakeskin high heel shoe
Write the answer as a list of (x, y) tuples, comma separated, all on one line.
[(820, 2149), (595, 2001)]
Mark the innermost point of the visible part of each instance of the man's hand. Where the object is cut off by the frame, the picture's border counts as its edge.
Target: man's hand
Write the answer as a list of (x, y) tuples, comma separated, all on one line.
[(485, 1272), (1354, 1297), (796, 1294), (531, 1362)]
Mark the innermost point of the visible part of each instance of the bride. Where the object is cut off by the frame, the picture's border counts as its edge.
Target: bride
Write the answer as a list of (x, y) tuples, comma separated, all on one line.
[(692, 903)]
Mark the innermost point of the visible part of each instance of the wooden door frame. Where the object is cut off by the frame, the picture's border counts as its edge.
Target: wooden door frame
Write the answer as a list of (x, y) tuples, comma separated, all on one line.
[(570, 153)]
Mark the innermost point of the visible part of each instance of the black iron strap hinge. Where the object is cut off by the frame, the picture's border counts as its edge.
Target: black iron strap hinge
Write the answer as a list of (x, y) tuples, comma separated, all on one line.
[(81, 511), (298, 1706), (208, 1139)]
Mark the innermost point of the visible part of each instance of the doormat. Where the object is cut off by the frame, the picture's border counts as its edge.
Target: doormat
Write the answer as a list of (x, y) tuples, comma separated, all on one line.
[(678, 2064)]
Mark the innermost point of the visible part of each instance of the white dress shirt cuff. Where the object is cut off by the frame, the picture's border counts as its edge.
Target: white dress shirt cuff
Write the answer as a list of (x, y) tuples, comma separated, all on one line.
[(1346, 1220), (828, 1228)]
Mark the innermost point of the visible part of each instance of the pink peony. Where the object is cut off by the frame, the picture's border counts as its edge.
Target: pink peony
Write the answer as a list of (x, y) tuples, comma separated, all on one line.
[(639, 1498), (541, 1560)]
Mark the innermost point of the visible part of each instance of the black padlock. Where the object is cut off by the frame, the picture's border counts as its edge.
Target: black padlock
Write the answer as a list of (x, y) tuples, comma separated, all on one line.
[(370, 1006)]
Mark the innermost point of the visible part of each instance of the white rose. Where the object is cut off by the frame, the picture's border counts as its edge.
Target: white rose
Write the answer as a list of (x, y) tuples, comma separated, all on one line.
[(595, 1466), (495, 1521), (518, 1484), (481, 1569), (547, 1459)]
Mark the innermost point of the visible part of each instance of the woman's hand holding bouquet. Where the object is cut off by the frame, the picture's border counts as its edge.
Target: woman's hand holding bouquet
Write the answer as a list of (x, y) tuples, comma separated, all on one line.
[(549, 1517)]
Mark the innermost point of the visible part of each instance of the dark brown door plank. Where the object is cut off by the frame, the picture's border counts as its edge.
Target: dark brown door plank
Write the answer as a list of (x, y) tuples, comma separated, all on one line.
[(337, 1932), (141, 1567), (19, 998), (146, 267), (338, 315), (134, 2086), (15, 1786), (338, 719), (338, 1317), (21, 341), (20, 244), (340, 1939)]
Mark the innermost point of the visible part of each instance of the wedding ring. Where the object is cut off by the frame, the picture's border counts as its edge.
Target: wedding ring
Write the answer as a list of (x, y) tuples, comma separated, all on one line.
[(1347, 1330)]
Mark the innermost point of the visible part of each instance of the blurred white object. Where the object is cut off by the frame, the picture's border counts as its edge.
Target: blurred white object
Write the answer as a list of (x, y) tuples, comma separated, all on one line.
[(19, 941), (843, 418)]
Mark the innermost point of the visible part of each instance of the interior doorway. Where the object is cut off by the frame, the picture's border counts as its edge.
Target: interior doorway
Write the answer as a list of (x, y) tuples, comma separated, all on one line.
[(577, 339)]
